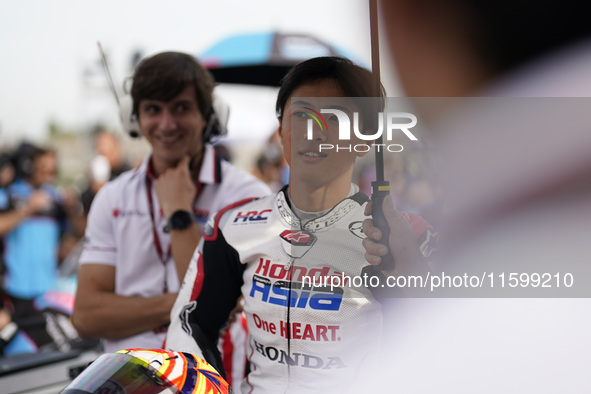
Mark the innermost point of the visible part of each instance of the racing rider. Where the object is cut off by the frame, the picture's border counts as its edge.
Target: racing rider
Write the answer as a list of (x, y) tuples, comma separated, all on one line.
[(301, 338)]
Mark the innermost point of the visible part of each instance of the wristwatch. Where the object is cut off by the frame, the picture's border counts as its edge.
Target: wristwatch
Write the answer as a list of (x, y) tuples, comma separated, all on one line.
[(179, 220)]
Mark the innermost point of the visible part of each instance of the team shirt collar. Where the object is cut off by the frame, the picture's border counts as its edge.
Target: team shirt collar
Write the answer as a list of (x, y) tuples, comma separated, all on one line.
[(325, 221)]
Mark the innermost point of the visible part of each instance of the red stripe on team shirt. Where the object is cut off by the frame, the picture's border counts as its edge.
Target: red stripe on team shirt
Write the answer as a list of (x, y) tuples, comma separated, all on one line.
[(243, 322), (198, 284), (219, 215), (227, 353)]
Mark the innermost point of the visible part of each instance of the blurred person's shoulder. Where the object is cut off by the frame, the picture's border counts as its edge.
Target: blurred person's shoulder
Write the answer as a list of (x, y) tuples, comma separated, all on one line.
[(242, 180), (121, 169), (125, 185), (230, 180)]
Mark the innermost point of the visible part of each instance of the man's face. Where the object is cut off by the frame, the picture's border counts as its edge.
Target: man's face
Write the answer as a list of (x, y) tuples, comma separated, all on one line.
[(44, 170), (6, 174), (308, 163), (174, 128)]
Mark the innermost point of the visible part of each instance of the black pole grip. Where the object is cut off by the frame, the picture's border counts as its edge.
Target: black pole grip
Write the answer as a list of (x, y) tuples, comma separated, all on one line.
[(379, 191)]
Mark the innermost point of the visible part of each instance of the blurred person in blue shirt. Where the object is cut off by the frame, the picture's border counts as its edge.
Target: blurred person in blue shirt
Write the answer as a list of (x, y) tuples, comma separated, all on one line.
[(31, 221)]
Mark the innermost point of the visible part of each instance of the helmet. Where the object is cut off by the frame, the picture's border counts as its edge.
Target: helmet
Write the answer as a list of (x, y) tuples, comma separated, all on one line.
[(148, 371)]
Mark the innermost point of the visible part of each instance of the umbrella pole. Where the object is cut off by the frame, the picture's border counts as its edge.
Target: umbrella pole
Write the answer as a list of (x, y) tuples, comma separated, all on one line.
[(380, 188)]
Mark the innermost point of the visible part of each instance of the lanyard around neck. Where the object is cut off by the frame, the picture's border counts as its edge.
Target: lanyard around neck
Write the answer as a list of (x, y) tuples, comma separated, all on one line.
[(161, 255)]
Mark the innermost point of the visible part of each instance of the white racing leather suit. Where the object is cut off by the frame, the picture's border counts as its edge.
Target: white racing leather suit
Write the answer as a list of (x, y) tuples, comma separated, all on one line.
[(326, 338)]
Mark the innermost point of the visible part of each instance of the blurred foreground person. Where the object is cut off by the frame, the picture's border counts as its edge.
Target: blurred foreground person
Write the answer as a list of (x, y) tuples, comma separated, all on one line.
[(518, 190), (144, 226), (302, 337)]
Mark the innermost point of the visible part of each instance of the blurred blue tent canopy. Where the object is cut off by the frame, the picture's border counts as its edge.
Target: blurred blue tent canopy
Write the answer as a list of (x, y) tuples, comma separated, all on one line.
[(263, 58)]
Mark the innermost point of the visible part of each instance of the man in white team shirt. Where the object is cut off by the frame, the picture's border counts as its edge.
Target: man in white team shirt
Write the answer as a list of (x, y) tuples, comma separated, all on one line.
[(144, 226)]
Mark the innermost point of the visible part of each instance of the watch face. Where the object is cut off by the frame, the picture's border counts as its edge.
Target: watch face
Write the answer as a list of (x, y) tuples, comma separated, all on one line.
[(180, 220)]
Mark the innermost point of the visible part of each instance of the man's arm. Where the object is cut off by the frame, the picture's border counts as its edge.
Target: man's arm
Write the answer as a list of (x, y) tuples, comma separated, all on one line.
[(183, 245), (220, 289), (100, 313), (11, 219), (209, 293), (176, 191)]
